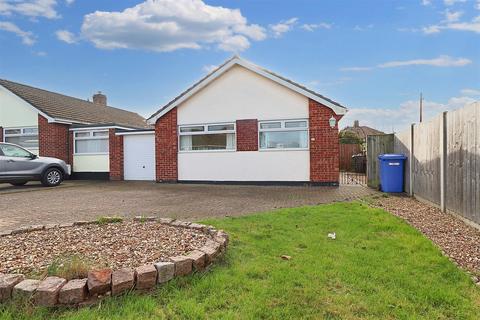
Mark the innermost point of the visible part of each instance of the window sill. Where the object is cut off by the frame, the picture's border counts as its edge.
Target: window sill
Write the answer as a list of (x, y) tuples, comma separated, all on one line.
[(206, 151), (284, 149), (91, 154)]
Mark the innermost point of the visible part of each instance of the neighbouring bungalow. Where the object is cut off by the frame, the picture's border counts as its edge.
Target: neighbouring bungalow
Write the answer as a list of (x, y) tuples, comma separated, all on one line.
[(55, 125)]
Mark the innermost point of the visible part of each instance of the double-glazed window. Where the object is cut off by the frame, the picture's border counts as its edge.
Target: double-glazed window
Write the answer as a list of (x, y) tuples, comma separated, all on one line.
[(24, 137), (284, 134), (91, 142), (207, 137)]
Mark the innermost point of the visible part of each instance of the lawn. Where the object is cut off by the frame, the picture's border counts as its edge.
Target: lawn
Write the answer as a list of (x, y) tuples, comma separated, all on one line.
[(378, 267)]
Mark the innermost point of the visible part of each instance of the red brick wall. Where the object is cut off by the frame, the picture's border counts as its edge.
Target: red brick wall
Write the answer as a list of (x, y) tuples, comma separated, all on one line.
[(54, 139), (324, 147), (116, 155), (166, 147), (247, 135), (1, 134)]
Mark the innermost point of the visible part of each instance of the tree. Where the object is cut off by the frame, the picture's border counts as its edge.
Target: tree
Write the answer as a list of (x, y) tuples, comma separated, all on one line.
[(348, 137)]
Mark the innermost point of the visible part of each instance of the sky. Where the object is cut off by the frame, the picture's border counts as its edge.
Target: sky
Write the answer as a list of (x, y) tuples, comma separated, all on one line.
[(372, 56)]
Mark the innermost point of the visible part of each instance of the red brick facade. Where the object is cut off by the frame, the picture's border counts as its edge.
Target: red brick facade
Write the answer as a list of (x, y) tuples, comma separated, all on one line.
[(247, 135), (324, 147), (166, 147), (116, 155), (54, 140), (1, 134)]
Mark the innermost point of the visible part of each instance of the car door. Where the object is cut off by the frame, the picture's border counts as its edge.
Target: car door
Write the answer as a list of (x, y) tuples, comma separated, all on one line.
[(17, 162), (2, 164)]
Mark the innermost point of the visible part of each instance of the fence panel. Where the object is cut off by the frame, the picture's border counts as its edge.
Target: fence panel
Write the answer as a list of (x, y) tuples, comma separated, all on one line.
[(426, 162), (463, 162), (460, 158), (376, 145)]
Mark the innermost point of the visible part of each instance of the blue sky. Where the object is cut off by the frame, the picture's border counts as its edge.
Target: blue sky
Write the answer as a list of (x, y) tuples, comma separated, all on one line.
[(375, 57)]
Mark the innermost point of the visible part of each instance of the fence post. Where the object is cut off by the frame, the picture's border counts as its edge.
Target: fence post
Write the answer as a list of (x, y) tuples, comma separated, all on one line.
[(412, 162), (443, 161)]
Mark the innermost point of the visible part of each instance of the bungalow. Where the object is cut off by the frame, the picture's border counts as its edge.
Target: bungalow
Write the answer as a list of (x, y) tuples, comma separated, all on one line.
[(74, 130), (239, 124)]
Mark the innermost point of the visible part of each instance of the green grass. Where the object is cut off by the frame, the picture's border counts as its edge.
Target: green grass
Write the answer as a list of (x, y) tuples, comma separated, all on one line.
[(377, 268)]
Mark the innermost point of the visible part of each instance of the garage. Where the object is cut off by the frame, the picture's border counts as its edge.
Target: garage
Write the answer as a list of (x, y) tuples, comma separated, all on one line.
[(139, 156)]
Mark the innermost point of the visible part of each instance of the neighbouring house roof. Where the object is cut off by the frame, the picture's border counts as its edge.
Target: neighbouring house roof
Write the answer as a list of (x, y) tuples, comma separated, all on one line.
[(61, 108), (361, 131), (227, 65)]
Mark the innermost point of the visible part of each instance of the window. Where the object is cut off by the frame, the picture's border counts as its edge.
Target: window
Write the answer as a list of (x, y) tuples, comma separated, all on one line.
[(24, 137), (207, 137), (91, 142), (14, 151), (285, 134)]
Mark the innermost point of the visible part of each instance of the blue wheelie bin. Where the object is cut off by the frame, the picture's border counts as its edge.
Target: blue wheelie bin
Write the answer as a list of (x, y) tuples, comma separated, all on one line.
[(391, 172)]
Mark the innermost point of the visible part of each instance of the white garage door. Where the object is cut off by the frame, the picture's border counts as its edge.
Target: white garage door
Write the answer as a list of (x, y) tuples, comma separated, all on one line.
[(139, 157)]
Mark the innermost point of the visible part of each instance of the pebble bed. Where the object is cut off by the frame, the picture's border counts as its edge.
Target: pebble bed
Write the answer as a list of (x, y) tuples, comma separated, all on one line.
[(112, 245)]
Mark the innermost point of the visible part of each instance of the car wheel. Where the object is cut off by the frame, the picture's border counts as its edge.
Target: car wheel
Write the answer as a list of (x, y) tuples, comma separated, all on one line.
[(19, 183), (52, 177)]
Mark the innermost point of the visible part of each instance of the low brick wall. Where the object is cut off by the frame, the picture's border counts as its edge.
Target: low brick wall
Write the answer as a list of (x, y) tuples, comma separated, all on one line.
[(53, 291)]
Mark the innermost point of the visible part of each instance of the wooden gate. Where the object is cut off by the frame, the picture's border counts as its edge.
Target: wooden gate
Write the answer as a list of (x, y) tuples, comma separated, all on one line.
[(352, 164)]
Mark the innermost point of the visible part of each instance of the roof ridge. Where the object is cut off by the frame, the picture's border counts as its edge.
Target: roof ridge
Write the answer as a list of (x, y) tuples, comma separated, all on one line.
[(64, 95)]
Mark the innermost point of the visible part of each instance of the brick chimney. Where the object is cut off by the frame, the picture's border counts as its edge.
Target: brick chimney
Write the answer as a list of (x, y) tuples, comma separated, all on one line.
[(356, 124), (100, 98)]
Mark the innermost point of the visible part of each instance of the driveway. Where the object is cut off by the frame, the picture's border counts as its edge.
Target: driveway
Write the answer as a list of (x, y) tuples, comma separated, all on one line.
[(87, 200)]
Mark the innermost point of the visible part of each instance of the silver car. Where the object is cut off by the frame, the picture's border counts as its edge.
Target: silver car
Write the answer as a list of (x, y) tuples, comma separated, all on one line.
[(18, 166)]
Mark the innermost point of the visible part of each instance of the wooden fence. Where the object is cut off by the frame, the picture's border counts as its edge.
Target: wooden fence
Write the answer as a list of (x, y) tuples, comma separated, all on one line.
[(346, 153), (376, 145), (443, 163)]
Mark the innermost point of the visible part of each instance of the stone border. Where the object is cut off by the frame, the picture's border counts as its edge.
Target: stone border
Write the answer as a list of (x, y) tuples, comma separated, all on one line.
[(53, 291)]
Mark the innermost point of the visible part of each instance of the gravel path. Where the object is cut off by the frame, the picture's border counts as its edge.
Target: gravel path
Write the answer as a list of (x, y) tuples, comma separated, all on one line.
[(114, 245), (457, 240)]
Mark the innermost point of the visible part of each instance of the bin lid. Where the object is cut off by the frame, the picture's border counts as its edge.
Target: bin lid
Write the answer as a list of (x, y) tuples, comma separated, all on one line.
[(392, 156)]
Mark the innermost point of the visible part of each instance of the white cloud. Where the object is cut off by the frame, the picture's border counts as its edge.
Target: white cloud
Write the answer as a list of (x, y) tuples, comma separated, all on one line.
[(473, 26), (431, 29), (399, 118), (209, 68), (69, 2), (452, 2), (362, 28), (441, 61), (477, 6), (168, 25), (470, 92), (283, 26), (426, 2), (27, 37), (30, 8), (66, 36), (356, 69), (452, 16), (312, 26), (40, 53)]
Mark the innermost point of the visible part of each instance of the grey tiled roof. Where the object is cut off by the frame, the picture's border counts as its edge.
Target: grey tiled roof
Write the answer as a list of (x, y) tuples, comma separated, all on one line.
[(72, 109)]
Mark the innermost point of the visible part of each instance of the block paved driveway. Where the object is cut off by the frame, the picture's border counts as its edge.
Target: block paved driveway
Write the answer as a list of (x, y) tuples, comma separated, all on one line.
[(88, 200)]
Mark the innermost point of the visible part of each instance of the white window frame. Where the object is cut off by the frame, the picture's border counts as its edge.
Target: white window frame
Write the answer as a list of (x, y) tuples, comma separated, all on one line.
[(21, 134), (204, 132), (89, 137), (283, 128)]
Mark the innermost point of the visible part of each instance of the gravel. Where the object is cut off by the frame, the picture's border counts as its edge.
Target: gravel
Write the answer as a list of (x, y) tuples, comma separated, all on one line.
[(113, 245), (456, 239)]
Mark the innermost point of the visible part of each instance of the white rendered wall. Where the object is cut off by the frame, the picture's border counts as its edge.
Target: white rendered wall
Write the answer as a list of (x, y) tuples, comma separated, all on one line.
[(242, 94), (91, 163), (245, 166), (15, 112)]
